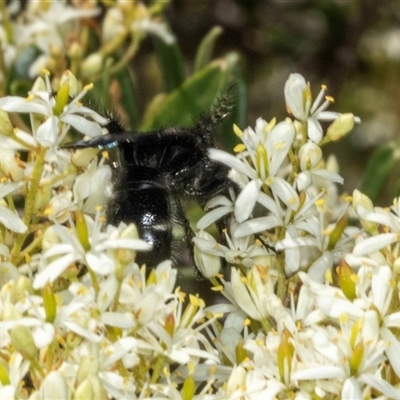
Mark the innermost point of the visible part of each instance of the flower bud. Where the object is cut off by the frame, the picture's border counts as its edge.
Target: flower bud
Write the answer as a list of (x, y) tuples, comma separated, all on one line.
[(238, 132), (10, 313), (355, 332), (339, 128), (4, 377), (346, 281), (11, 166), (82, 157), (299, 129), (22, 339), (6, 127), (50, 238), (22, 287), (362, 204), (310, 154), (240, 352), (75, 51), (98, 388), (337, 232), (62, 96), (113, 24), (92, 65), (49, 302), (356, 358), (237, 380), (188, 388), (262, 164), (73, 84), (82, 230), (207, 263), (54, 387), (89, 365), (43, 197), (84, 391), (169, 324), (90, 388), (298, 96), (125, 256), (396, 265), (332, 164), (285, 355), (59, 206)]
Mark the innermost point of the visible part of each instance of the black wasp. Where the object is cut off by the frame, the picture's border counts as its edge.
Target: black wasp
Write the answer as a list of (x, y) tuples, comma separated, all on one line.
[(154, 171)]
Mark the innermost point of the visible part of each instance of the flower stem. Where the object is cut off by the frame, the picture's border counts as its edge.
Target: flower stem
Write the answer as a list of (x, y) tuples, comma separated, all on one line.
[(95, 282), (30, 202), (157, 369), (281, 284)]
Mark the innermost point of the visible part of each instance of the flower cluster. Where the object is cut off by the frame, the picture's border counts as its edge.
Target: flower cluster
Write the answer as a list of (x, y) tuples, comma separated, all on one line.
[(313, 301), (76, 310), (81, 319), (309, 292), (288, 197)]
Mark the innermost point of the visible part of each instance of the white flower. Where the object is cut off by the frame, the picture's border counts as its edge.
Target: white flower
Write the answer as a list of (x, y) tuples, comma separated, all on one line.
[(48, 26), (267, 148), (101, 257), (299, 103), (310, 232), (255, 291), (279, 217), (42, 101), (91, 189), (370, 308)]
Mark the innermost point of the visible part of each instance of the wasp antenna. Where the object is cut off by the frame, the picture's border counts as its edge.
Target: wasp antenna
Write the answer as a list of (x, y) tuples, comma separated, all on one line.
[(80, 144), (107, 141)]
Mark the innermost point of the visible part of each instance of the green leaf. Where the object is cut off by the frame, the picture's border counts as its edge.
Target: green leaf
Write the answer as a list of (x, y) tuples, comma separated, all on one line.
[(378, 170), (206, 48), (128, 98), (193, 97), (171, 63)]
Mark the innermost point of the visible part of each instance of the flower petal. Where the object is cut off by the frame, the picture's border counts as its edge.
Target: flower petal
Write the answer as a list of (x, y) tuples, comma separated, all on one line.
[(374, 243), (256, 225), (246, 200), (11, 220)]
